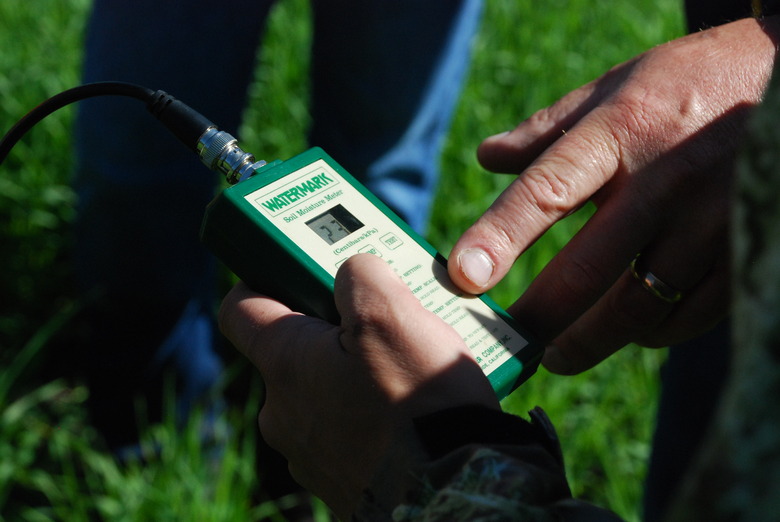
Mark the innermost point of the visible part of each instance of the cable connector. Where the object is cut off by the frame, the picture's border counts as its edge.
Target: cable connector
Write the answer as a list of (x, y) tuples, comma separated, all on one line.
[(216, 149), (220, 152)]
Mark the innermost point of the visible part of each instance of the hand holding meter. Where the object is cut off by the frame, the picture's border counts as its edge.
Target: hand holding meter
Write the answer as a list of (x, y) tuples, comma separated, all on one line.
[(287, 226)]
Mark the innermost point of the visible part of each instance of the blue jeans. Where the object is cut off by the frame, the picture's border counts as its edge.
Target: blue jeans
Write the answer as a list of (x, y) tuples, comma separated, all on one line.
[(385, 79)]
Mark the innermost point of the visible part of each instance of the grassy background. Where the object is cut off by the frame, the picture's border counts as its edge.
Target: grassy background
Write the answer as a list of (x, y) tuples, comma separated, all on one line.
[(527, 55)]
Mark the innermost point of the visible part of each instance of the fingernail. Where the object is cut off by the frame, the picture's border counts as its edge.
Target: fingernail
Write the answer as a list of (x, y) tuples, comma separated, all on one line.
[(476, 266)]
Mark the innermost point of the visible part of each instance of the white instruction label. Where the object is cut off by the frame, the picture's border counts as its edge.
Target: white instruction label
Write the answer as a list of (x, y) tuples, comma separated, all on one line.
[(331, 220)]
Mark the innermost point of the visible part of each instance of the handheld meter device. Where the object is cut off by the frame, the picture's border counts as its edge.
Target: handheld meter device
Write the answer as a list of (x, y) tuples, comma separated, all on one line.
[(286, 228)]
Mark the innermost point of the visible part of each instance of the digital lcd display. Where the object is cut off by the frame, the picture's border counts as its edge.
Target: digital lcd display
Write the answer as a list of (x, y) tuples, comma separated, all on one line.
[(334, 225)]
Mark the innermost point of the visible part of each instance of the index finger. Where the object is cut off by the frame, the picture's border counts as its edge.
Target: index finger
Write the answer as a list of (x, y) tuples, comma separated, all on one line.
[(576, 166)]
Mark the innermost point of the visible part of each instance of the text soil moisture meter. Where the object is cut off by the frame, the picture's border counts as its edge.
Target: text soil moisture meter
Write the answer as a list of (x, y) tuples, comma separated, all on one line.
[(285, 228)]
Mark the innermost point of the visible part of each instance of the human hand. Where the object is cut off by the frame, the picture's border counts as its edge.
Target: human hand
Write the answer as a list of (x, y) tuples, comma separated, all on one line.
[(651, 143), (339, 400)]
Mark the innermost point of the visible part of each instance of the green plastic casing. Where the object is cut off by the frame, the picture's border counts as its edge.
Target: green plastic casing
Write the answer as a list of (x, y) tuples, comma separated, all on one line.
[(271, 263)]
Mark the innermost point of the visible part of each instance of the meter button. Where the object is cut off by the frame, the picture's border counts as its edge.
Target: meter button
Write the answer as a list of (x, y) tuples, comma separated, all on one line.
[(370, 249), (391, 241)]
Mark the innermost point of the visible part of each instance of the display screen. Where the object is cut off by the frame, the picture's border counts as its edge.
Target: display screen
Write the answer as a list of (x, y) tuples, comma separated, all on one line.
[(334, 224)]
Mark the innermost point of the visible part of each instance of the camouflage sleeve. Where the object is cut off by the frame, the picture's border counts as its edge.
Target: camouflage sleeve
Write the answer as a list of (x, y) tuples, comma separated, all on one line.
[(494, 466)]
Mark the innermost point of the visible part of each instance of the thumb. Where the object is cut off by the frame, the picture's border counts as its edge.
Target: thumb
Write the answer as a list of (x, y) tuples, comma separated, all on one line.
[(369, 294), (378, 308), (409, 348)]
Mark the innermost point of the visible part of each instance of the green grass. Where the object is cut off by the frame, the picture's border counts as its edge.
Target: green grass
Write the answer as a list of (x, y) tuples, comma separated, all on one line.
[(51, 468)]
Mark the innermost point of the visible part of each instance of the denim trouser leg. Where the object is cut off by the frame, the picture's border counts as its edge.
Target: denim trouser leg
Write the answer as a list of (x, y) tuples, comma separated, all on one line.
[(386, 76), (142, 196)]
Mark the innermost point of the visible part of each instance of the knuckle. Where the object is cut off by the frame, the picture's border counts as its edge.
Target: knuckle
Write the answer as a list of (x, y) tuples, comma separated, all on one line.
[(541, 120), (547, 189), (642, 114), (568, 176), (584, 277)]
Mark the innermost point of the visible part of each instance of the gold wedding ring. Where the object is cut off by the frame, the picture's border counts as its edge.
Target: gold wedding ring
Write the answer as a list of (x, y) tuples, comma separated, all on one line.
[(654, 285)]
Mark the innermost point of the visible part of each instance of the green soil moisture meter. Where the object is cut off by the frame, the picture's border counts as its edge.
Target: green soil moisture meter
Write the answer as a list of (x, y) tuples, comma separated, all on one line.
[(286, 228)]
